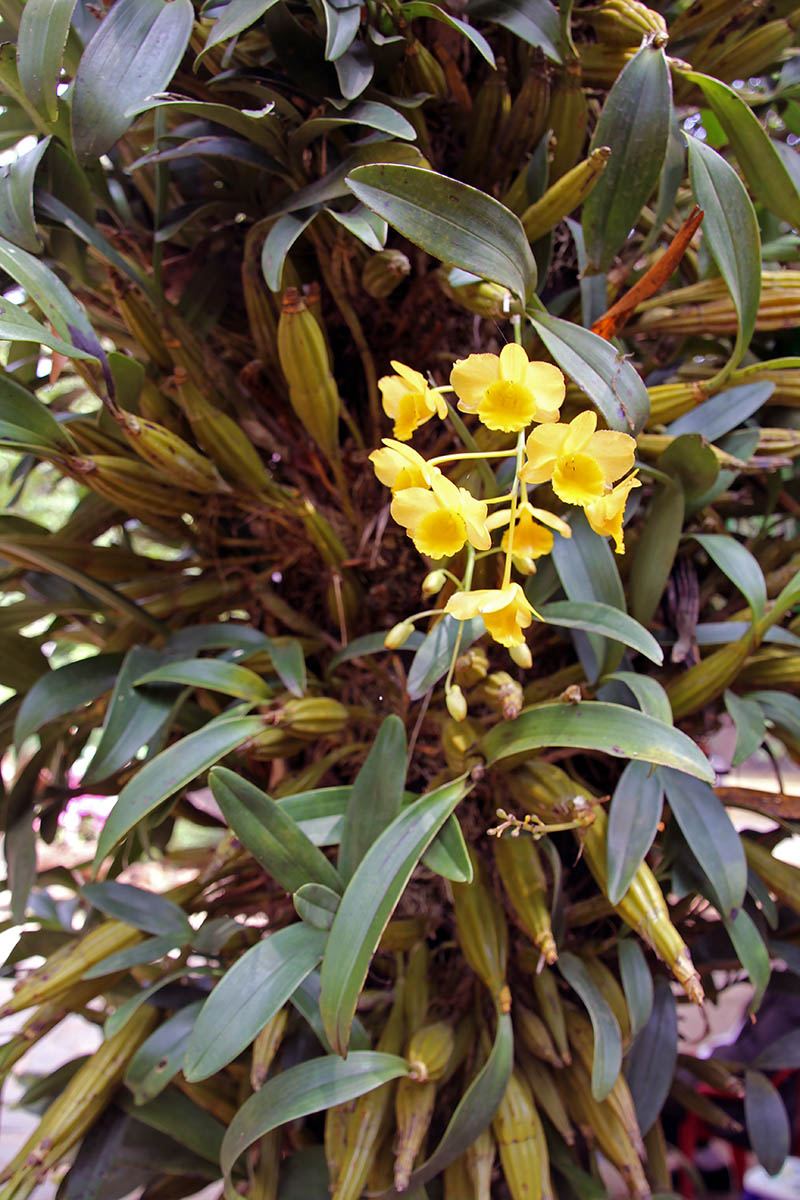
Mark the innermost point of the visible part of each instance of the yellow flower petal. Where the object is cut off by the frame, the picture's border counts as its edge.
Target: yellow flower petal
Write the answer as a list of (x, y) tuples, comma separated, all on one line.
[(543, 447), (505, 611), (398, 466), (513, 363), (578, 479), (415, 379), (531, 541), (579, 431), (440, 534), (470, 378), (548, 518), (408, 400), (605, 515), (548, 386), (507, 391), (613, 451)]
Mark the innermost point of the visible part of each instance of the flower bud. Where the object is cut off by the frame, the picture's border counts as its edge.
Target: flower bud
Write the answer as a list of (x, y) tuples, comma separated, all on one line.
[(472, 666), (456, 704), (383, 272), (521, 655), (503, 694), (398, 634), (433, 583)]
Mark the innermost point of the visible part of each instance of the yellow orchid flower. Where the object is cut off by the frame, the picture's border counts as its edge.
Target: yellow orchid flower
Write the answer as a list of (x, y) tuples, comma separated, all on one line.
[(506, 390), (441, 519), (505, 611), (605, 515), (399, 466), (579, 462), (408, 400), (532, 539)]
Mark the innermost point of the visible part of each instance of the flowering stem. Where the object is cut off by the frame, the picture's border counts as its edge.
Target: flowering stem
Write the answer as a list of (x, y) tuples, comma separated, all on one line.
[(513, 517), (443, 458), (466, 584), (489, 481)]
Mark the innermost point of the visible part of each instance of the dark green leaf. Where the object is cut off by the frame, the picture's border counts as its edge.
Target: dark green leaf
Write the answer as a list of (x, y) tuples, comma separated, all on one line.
[(277, 244), (447, 854), (711, 836), (634, 123), (288, 663), (607, 1060), (691, 461), (160, 1057), (762, 166), (752, 954), (149, 37), (305, 999), (608, 379), (261, 127), (309, 1087), (376, 796), (64, 690), (21, 409), (369, 901), (320, 814), (316, 905), (422, 8), (237, 16), (171, 770), (633, 819), (780, 708), (16, 196), (123, 1013), (649, 694), (19, 849), (587, 570), (364, 224), (637, 983), (265, 828), (133, 905), (655, 550), (782, 1054), (341, 24), (721, 413), (21, 662), (767, 1122), (672, 173), (371, 643), (43, 29), (593, 617), (249, 995), (214, 674), (181, 1119), (148, 951), (740, 566), (133, 716), (593, 725), (455, 223), (751, 729), (731, 230), (650, 1064), (433, 658), (370, 113), (533, 21), (16, 325)]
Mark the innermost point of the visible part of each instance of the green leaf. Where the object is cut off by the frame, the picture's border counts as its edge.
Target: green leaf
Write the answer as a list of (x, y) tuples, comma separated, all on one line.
[(740, 566), (421, 8), (532, 21), (650, 695), (45, 289), (261, 126), (132, 718), (369, 901), (62, 691), (672, 173), (751, 729), (214, 674), (434, 655), (172, 770), (780, 708), (277, 244), (237, 16), (635, 124), (370, 113), (766, 1120), (150, 38), (376, 796), (363, 224), (249, 995), (160, 1057), (637, 983), (592, 725), (691, 461), (133, 905), (305, 999), (341, 26), (16, 196), (597, 367), (455, 223), (782, 1054), (148, 951), (123, 1013), (752, 953), (178, 1117), (316, 905), (89, 234), (588, 571), (731, 230), (593, 617), (655, 550), (20, 409), (633, 819), (762, 166), (721, 413), (320, 814), (43, 29), (16, 325), (650, 1064), (711, 836), (19, 851), (307, 1088), (371, 643), (270, 834), (448, 855), (607, 1060), (230, 636)]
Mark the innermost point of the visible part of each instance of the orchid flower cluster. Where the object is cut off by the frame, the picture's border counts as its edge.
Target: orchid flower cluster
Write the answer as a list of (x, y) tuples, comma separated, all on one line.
[(585, 467)]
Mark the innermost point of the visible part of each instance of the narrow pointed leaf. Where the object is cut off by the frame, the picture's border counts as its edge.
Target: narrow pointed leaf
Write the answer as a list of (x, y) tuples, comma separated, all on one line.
[(277, 244), (637, 983), (178, 1117), (369, 901), (607, 1060), (307, 1088), (455, 223), (422, 8), (16, 196), (214, 674), (532, 21), (172, 770), (64, 690), (133, 905), (650, 1064), (752, 953), (45, 289), (723, 412), (265, 828), (587, 570), (767, 1123), (376, 796), (633, 819), (432, 658), (740, 566), (649, 693), (593, 617), (159, 1059), (133, 716), (305, 998), (448, 855), (236, 16), (713, 840), (249, 995), (751, 728), (123, 1013), (20, 408), (149, 951), (43, 31), (593, 725)]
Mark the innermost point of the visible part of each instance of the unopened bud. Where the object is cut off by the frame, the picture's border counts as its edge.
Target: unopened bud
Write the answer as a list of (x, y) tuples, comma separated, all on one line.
[(433, 583), (504, 694), (456, 704), (383, 272), (521, 655), (472, 666), (398, 634)]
